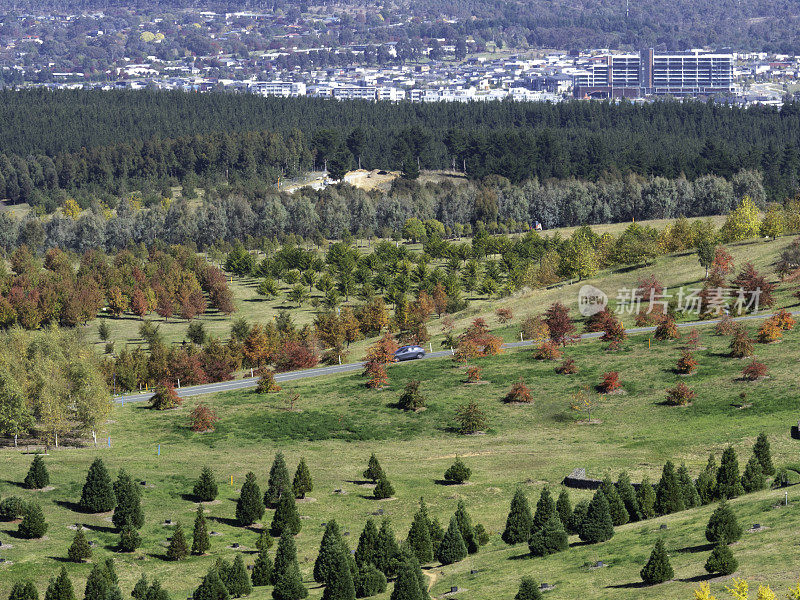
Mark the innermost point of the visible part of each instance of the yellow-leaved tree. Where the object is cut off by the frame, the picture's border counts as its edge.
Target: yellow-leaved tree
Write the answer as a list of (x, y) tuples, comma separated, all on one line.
[(742, 223)]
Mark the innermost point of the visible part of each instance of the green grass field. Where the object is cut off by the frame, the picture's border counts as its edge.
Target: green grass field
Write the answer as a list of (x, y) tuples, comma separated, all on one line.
[(337, 423)]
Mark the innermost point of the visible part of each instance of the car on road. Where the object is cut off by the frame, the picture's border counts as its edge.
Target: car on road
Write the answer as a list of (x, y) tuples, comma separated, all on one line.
[(409, 353)]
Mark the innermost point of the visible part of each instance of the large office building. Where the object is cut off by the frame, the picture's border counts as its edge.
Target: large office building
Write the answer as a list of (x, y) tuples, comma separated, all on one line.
[(693, 73)]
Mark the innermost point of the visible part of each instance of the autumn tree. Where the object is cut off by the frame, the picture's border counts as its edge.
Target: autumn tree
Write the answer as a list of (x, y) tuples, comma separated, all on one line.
[(559, 324)]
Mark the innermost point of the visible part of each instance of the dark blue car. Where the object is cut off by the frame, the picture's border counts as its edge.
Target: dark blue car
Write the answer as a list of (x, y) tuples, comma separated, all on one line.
[(409, 353)]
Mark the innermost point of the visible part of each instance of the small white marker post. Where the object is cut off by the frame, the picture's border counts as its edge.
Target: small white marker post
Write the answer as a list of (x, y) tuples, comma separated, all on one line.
[(430, 345), (786, 498), (94, 437), (520, 337)]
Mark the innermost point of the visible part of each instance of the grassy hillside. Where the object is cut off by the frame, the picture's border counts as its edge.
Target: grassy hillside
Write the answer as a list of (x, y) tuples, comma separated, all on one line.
[(337, 422)]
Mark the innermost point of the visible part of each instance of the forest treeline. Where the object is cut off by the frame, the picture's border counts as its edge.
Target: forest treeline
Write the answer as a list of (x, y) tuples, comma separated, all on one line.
[(109, 142)]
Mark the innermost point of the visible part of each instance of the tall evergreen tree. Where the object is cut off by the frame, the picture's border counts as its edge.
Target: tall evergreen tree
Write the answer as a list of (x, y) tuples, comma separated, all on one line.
[(616, 507), (646, 497), (419, 537), (578, 516), (528, 590), (129, 539), (519, 520), (156, 592), (177, 549), (60, 588), (658, 569), (597, 525), (286, 516), (264, 541), (728, 483), (549, 539), (33, 525), (707, 482), (368, 545), (102, 581), (262, 569), (139, 591), (437, 534), (98, 494), (289, 585), (406, 587), (383, 489), (669, 498), (302, 483), (691, 497), (80, 549), (128, 511), (237, 581), (332, 543), (339, 583), (762, 452), (628, 495), (211, 588), (205, 489), (452, 549), (38, 477), (753, 477), (200, 540), (467, 530), (564, 509), (23, 590), (285, 555), (721, 561), (545, 508), (723, 526), (369, 581), (374, 471), (278, 482), (388, 550), (249, 507)]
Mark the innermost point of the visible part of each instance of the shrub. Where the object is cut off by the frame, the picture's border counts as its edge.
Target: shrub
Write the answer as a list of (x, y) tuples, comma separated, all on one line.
[(412, 398), (266, 383), (474, 374), (80, 549), (458, 472), (202, 418), (686, 363), (723, 527), (294, 355), (519, 392), (177, 549), (551, 538), (783, 319), (666, 329), (466, 349), (721, 561), (658, 568), (492, 346), (374, 472), (533, 328), (725, 326), (383, 489), (369, 581), (37, 477), (33, 525), (755, 370), (205, 489), (129, 539), (614, 332), (504, 315), (547, 350), (693, 339), (741, 345), (481, 535), (12, 508), (753, 477), (470, 418), (567, 367), (376, 375), (165, 397), (769, 332), (781, 478), (609, 383), (528, 590), (680, 395), (302, 482)]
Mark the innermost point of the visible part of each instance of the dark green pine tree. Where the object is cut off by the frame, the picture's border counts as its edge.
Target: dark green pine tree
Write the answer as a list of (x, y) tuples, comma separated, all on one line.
[(369, 581), (33, 525), (528, 590), (723, 526), (519, 520), (262, 569), (278, 482), (619, 514), (205, 489), (80, 549), (60, 588), (691, 497), (419, 536), (721, 561), (156, 592), (249, 507), (98, 493), (646, 497), (383, 489), (578, 516), (564, 508), (549, 539), (657, 569), (628, 494), (38, 477), (128, 512), (211, 588), (23, 590), (452, 549), (368, 545), (302, 483), (706, 483), (388, 550), (437, 534), (286, 517), (237, 582), (597, 525), (374, 471), (729, 484), (200, 540), (139, 591), (339, 583), (467, 530), (264, 541), (177, 549), (669, 498), (406, 587), (129, 539), (331, 544), (289, 585), (458, 472), (753, 477), (545, 508), (101, 582), (762, 452), (285, 555)]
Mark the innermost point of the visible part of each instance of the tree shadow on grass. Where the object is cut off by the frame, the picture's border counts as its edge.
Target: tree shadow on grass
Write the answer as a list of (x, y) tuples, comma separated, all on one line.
[(633, 585), (162, 557), (101, 528), (73, 506), (225, 521), (18, 484), (525, 556), (61, 559), (698, 548), (447, 483), (699, 578)]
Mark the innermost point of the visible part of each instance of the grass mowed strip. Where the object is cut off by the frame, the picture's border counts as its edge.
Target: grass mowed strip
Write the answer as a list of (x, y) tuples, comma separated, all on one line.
[(336, 423)]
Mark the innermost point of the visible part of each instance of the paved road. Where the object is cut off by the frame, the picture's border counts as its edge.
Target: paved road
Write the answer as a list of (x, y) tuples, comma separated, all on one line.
[(249, 382)]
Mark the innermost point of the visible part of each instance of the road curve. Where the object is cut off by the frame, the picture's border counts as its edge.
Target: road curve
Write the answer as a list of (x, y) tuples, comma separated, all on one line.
[(249, 382)]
